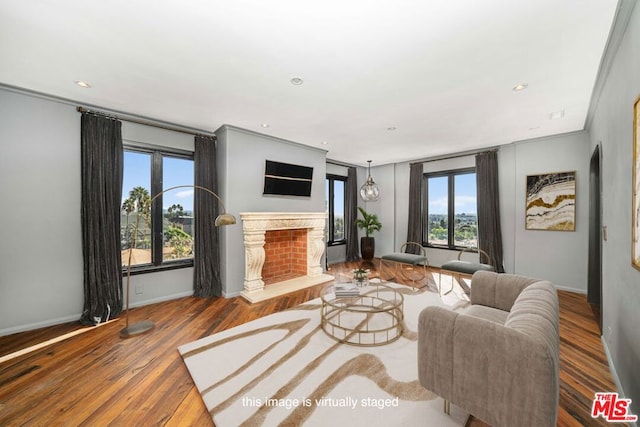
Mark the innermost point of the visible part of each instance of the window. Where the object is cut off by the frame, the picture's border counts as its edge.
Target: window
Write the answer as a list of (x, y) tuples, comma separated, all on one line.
[(451, 217), (335, 191), (146, 174)]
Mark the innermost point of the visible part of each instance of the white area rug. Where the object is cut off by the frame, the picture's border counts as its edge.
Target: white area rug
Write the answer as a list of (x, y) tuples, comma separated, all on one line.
[(283, 370)]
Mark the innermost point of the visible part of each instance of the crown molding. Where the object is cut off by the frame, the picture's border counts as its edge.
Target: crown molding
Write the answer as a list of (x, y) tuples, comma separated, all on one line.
[(618, 29)]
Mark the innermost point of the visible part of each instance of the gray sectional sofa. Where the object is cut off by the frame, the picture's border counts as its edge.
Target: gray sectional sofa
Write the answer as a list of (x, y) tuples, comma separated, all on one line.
[(498, 358)]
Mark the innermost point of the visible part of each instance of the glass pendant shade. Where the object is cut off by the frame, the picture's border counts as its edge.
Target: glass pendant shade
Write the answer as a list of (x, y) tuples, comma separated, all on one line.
[(369, 190)]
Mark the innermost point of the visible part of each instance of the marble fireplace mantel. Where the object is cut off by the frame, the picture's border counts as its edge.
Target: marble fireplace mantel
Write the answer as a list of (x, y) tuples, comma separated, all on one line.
[(255, 225)]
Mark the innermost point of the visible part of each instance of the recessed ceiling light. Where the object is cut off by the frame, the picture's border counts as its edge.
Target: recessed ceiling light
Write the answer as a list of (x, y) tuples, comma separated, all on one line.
[(296, 81), (265, 125), (82, 84), (521, 86), (556, 115), (324, 143)]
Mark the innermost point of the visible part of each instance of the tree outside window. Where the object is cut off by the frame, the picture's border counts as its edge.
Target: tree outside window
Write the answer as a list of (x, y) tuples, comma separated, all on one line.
[(146, 172), (451, 219)]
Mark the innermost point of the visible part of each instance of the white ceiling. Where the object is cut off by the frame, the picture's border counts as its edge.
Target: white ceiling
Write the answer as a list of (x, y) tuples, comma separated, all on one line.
[(440, 71)]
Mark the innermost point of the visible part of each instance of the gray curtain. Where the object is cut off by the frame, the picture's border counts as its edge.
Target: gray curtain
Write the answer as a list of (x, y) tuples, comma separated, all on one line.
[(414, 228), (489, 230), (101, 193), (206, 274), (351, 215)]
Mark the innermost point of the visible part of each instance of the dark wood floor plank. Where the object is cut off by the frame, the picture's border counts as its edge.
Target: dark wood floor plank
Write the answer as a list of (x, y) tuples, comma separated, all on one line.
[(97, 378)]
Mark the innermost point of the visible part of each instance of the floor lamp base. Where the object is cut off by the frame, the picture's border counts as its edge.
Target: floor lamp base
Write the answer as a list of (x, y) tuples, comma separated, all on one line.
[(136, 329)]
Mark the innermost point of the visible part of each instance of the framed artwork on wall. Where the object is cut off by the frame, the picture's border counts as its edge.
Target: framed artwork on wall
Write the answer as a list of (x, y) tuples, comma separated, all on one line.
[(635, 199), (551, 202)]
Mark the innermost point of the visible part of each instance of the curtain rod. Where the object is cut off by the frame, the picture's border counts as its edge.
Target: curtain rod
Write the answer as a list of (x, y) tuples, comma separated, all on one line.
[(454, 156), (338, 163), (145, 123)]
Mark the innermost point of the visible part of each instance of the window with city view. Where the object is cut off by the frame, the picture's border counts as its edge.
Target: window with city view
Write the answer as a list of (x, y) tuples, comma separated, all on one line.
[(141, 181), (334, 190), (451, 209)]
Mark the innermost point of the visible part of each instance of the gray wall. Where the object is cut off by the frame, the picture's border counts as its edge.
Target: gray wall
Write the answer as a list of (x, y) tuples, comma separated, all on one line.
[(612, 128), (556, 256), (41, 279), (242, 155), (40, 252), (41, 264), (384, 207)]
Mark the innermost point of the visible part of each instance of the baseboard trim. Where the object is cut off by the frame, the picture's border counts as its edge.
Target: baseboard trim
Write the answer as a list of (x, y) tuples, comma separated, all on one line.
[(160, 299), (76, 317), (233, 294), (38, 325), (614, 374), (569, 289)]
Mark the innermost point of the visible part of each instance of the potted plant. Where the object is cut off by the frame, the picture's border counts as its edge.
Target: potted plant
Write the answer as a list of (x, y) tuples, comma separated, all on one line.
[(369, 223), (361, 276)]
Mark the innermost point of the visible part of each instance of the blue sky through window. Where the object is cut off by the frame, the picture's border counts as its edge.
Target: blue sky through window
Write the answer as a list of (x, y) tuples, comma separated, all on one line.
[(338, 197), (176, 171), (137, 172), (465, 190), (438, 196), (465, 195)]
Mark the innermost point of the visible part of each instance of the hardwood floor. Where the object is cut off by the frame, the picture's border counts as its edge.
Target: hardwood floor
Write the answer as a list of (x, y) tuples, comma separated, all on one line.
[(96, 378)]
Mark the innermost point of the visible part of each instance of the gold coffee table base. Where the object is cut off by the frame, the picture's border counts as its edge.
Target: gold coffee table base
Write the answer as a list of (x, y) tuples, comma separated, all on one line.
[(375, 317)]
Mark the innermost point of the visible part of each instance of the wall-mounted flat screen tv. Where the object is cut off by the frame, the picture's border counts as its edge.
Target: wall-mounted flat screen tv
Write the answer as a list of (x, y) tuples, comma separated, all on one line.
[(287, 180)]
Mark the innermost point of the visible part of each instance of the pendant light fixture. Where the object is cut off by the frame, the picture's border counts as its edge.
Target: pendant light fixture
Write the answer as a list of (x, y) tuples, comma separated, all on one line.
[(369, 190)]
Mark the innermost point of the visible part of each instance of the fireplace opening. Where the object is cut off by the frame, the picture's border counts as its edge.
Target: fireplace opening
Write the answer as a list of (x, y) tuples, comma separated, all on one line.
[(285, 255), (285, 250)]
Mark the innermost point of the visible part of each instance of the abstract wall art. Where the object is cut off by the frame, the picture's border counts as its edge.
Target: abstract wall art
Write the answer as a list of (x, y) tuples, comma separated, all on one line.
[(635, 197), (551, 202)]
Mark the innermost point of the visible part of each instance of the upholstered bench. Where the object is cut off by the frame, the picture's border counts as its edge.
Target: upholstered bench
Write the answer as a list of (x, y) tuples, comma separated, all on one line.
[(406, 262), (465, 268)]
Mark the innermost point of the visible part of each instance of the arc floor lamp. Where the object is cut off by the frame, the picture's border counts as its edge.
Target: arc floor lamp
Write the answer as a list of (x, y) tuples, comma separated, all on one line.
[(223, 219)]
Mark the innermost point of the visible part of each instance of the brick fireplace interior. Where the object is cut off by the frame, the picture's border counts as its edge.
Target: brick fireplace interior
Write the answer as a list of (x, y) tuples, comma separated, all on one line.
[(285, 255), (283, 249)]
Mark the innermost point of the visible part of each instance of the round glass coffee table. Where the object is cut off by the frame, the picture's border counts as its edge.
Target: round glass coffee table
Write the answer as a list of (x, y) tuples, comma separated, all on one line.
[(372, 317)]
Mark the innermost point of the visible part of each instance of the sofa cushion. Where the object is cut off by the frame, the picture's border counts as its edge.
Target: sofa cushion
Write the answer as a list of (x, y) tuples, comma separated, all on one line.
[(466, 267), (535, 313), (405, 258), (488, 313), (498, 290)]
